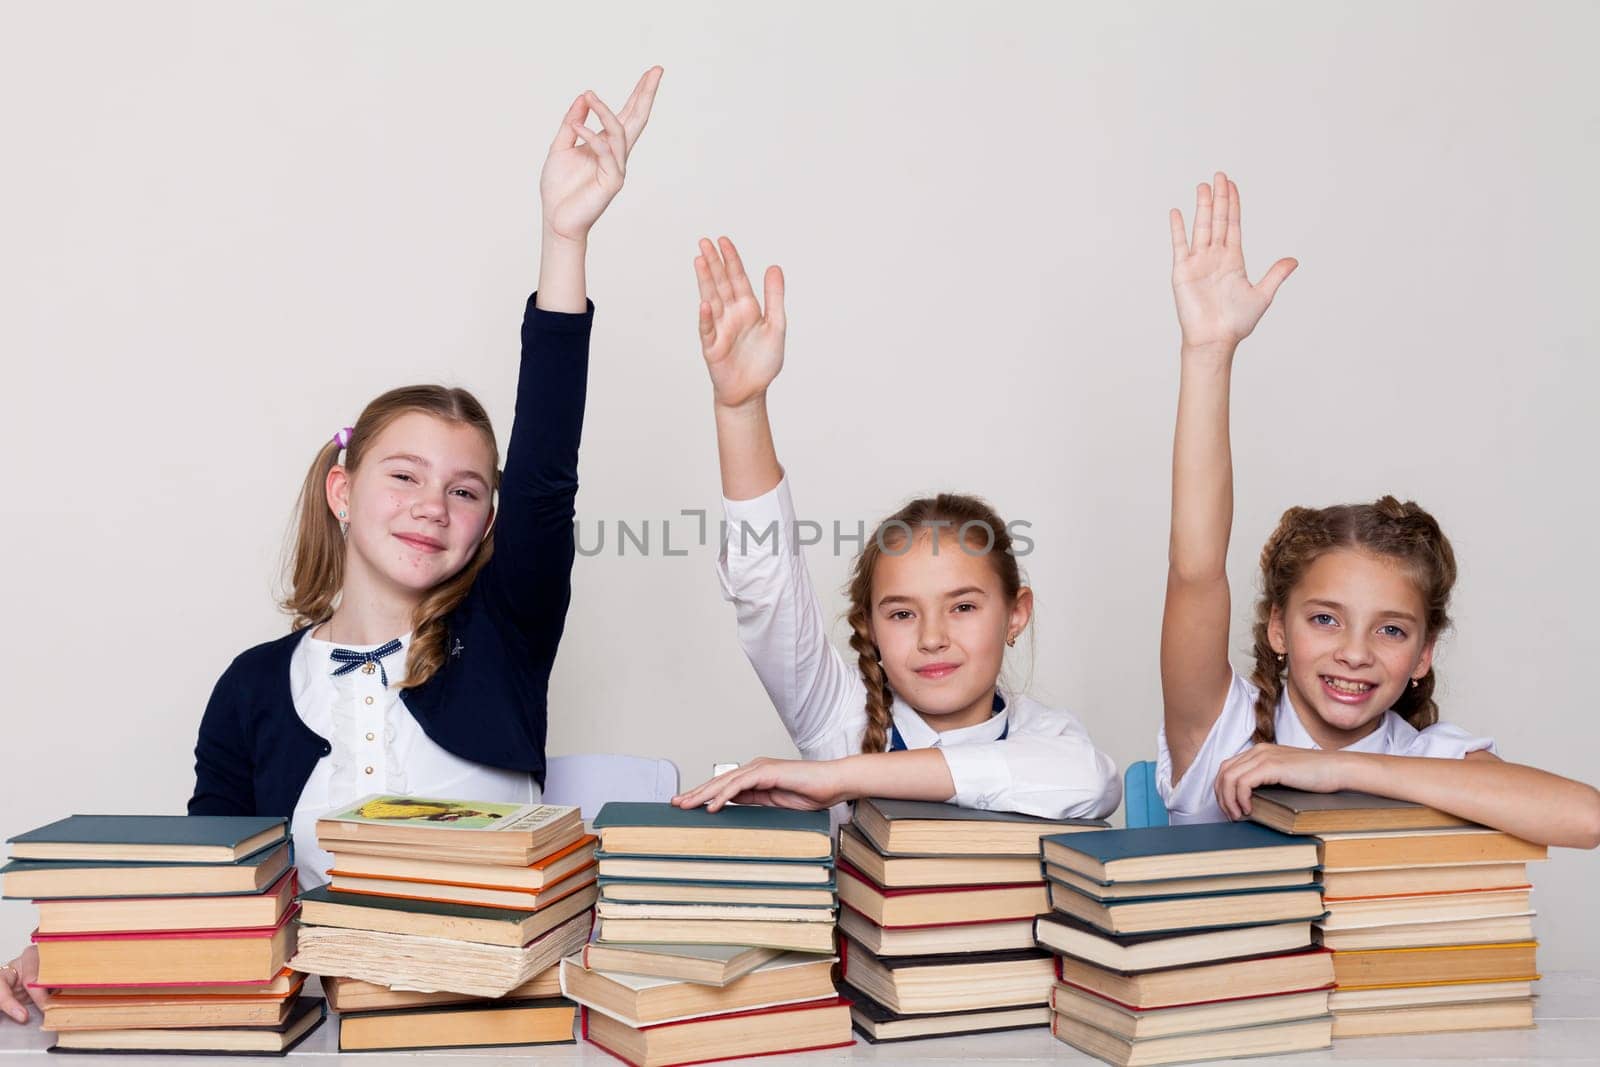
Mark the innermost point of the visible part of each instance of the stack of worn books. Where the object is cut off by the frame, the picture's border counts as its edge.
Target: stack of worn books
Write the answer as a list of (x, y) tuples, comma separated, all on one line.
[(445, 920), (936, 907), (165, 933), (1186, 943), (1429, 917), (715, 936)]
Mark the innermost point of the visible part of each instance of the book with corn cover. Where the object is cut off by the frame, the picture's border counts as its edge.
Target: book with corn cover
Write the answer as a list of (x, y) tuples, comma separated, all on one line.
[(473, 831), (161, 838), (1164, 852), (737, 832)]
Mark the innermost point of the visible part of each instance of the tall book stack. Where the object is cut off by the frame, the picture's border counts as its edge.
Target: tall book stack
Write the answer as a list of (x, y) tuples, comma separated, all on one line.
[(1186, 943), (936, 907), (165, 933), (715, 936), (444, 921), (1429, 917)]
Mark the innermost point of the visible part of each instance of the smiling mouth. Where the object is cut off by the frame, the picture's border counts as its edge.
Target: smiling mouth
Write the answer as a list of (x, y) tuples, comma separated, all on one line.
[(1345, 687), (937, 670), (427, 544)]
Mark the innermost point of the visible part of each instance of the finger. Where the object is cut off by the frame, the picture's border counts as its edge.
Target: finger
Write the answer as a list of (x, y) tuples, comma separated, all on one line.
[(636, 112), (772, 283), (1219, 207), (616, 139), (1234, 238), (1180, 243), (708, 325), (719, 271), (597, 144), (1276, 275), (565, 136), (1241, 794), (9, 1002), (738, 277), (1202, 217), (706, 278)]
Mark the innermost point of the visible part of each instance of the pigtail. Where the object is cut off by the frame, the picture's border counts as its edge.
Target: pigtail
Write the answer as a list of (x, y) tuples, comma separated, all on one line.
[(879, 717), (316, 568)]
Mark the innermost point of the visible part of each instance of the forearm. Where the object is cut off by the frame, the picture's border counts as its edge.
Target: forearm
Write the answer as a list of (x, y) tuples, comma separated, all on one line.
[(562, 281), (918, 774), (1534, 805), (1202, 467), (745, 451)]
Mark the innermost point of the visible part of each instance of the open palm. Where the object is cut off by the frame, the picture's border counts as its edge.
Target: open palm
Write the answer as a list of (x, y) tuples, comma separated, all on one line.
[(743, 347), (580, 179), (1217, 305)]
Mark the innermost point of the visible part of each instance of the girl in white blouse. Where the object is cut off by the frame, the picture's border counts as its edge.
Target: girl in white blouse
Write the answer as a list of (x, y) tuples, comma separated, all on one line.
[(1354, 598), (936, 598)]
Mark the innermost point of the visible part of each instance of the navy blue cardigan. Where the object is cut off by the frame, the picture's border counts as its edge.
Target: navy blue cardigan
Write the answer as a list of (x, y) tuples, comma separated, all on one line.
[(487, 703)]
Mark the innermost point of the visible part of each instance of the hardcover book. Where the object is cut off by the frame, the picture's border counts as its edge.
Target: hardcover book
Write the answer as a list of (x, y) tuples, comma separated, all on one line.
[(737, 832), (924, 828), (1163, 852), (158, 838)]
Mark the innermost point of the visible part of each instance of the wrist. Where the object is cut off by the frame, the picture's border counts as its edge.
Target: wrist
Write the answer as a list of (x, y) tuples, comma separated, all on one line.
[(750, 409), (1215, 352), (551, 239)]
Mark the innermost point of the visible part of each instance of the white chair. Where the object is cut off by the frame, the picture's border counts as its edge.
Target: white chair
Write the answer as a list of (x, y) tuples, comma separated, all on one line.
[(591, 779)]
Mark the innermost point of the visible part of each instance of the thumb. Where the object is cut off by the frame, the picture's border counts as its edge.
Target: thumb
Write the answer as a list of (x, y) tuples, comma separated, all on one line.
[(773, 284), (708, 325), (1268, 286)]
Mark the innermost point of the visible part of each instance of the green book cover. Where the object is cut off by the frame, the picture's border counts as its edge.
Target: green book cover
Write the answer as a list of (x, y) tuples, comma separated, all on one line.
[(893, 810), (183, 831), (732, 817), (1108, 845), (324, 895)]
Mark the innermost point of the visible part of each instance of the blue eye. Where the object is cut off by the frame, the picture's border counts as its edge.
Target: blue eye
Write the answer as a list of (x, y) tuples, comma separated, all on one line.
[(1322, 618), (1392, 630)]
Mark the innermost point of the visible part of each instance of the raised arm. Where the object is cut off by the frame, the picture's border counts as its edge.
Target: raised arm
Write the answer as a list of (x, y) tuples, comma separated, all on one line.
[(1217, 308), (743, 350)]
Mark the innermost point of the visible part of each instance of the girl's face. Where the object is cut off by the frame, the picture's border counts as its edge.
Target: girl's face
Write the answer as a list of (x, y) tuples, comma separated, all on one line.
[(419, 504), (1354, 637), (940, 619)]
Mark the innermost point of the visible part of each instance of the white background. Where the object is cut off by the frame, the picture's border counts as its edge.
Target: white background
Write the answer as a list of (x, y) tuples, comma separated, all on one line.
[(225, 227)]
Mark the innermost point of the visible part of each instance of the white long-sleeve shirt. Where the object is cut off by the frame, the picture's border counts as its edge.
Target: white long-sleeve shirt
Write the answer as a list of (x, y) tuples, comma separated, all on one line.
[(1046, 765)]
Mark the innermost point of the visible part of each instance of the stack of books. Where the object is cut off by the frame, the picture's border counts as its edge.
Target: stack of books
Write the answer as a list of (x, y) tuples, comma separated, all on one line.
[(445, 920), (1429, 917), (165, 933), (715, 936), (936, 908), (1186, 943)]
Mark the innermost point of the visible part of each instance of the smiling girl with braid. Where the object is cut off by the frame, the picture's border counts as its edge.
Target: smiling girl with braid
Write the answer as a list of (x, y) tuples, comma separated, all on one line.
[(935, 599), (1354, 598)]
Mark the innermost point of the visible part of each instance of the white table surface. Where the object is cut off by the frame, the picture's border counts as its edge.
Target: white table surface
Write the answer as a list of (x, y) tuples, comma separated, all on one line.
[(1567, 1010)]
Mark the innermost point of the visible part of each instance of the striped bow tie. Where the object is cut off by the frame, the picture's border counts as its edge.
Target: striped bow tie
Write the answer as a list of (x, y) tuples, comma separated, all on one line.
[(353, 659)]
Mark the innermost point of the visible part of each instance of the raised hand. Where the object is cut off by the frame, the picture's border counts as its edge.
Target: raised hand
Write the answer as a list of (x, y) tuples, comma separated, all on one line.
[(1217, 305), (585, 168), (743, 347)]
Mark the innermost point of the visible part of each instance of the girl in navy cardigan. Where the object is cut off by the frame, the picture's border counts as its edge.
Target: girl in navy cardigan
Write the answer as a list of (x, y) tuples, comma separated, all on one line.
[(426, 612)]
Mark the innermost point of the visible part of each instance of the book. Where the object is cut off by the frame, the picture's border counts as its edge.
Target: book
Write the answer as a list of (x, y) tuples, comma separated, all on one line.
[(1136, 1024), (1173, 987), (711, 965), (916, 985), (353, 995), (1163, 852), (479, 895), (937, 905), (1003, 936), (1417, 996), (1351, 914), (698, 871), (537, 875), (455, 922), (637, 891), (1297, 812), (897, 872), (806, 1027), (1424, 935), (878, 1024), (641, 1001), (1171, 914), (285, 981), (1436, 1018), (155, 838), (1063, 934), (104, 880), (729, 912), (165, 957), (433, 964), (926, 828), (472, 831), (788, 936), (1301, 1035), (1423, 848), (736, 832), (68, 1012), (1411, 881), (1174, 887), (490, 1024), (1512, 962), (152, 914), (305, 1017)]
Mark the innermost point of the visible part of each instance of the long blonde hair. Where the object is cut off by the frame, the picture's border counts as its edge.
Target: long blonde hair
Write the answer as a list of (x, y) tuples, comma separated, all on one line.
[(315, 569)]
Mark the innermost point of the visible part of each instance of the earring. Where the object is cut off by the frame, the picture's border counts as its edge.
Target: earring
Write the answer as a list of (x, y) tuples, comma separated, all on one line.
[(341, 516), (1282, 659), (1011, 640), (1414, 683)]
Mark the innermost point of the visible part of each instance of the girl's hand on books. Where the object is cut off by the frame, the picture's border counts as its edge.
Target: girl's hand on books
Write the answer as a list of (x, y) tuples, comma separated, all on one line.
[(1217, 305), (1310, 769), (14, 993), (742, 346), (801, 785), (579, 180)]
